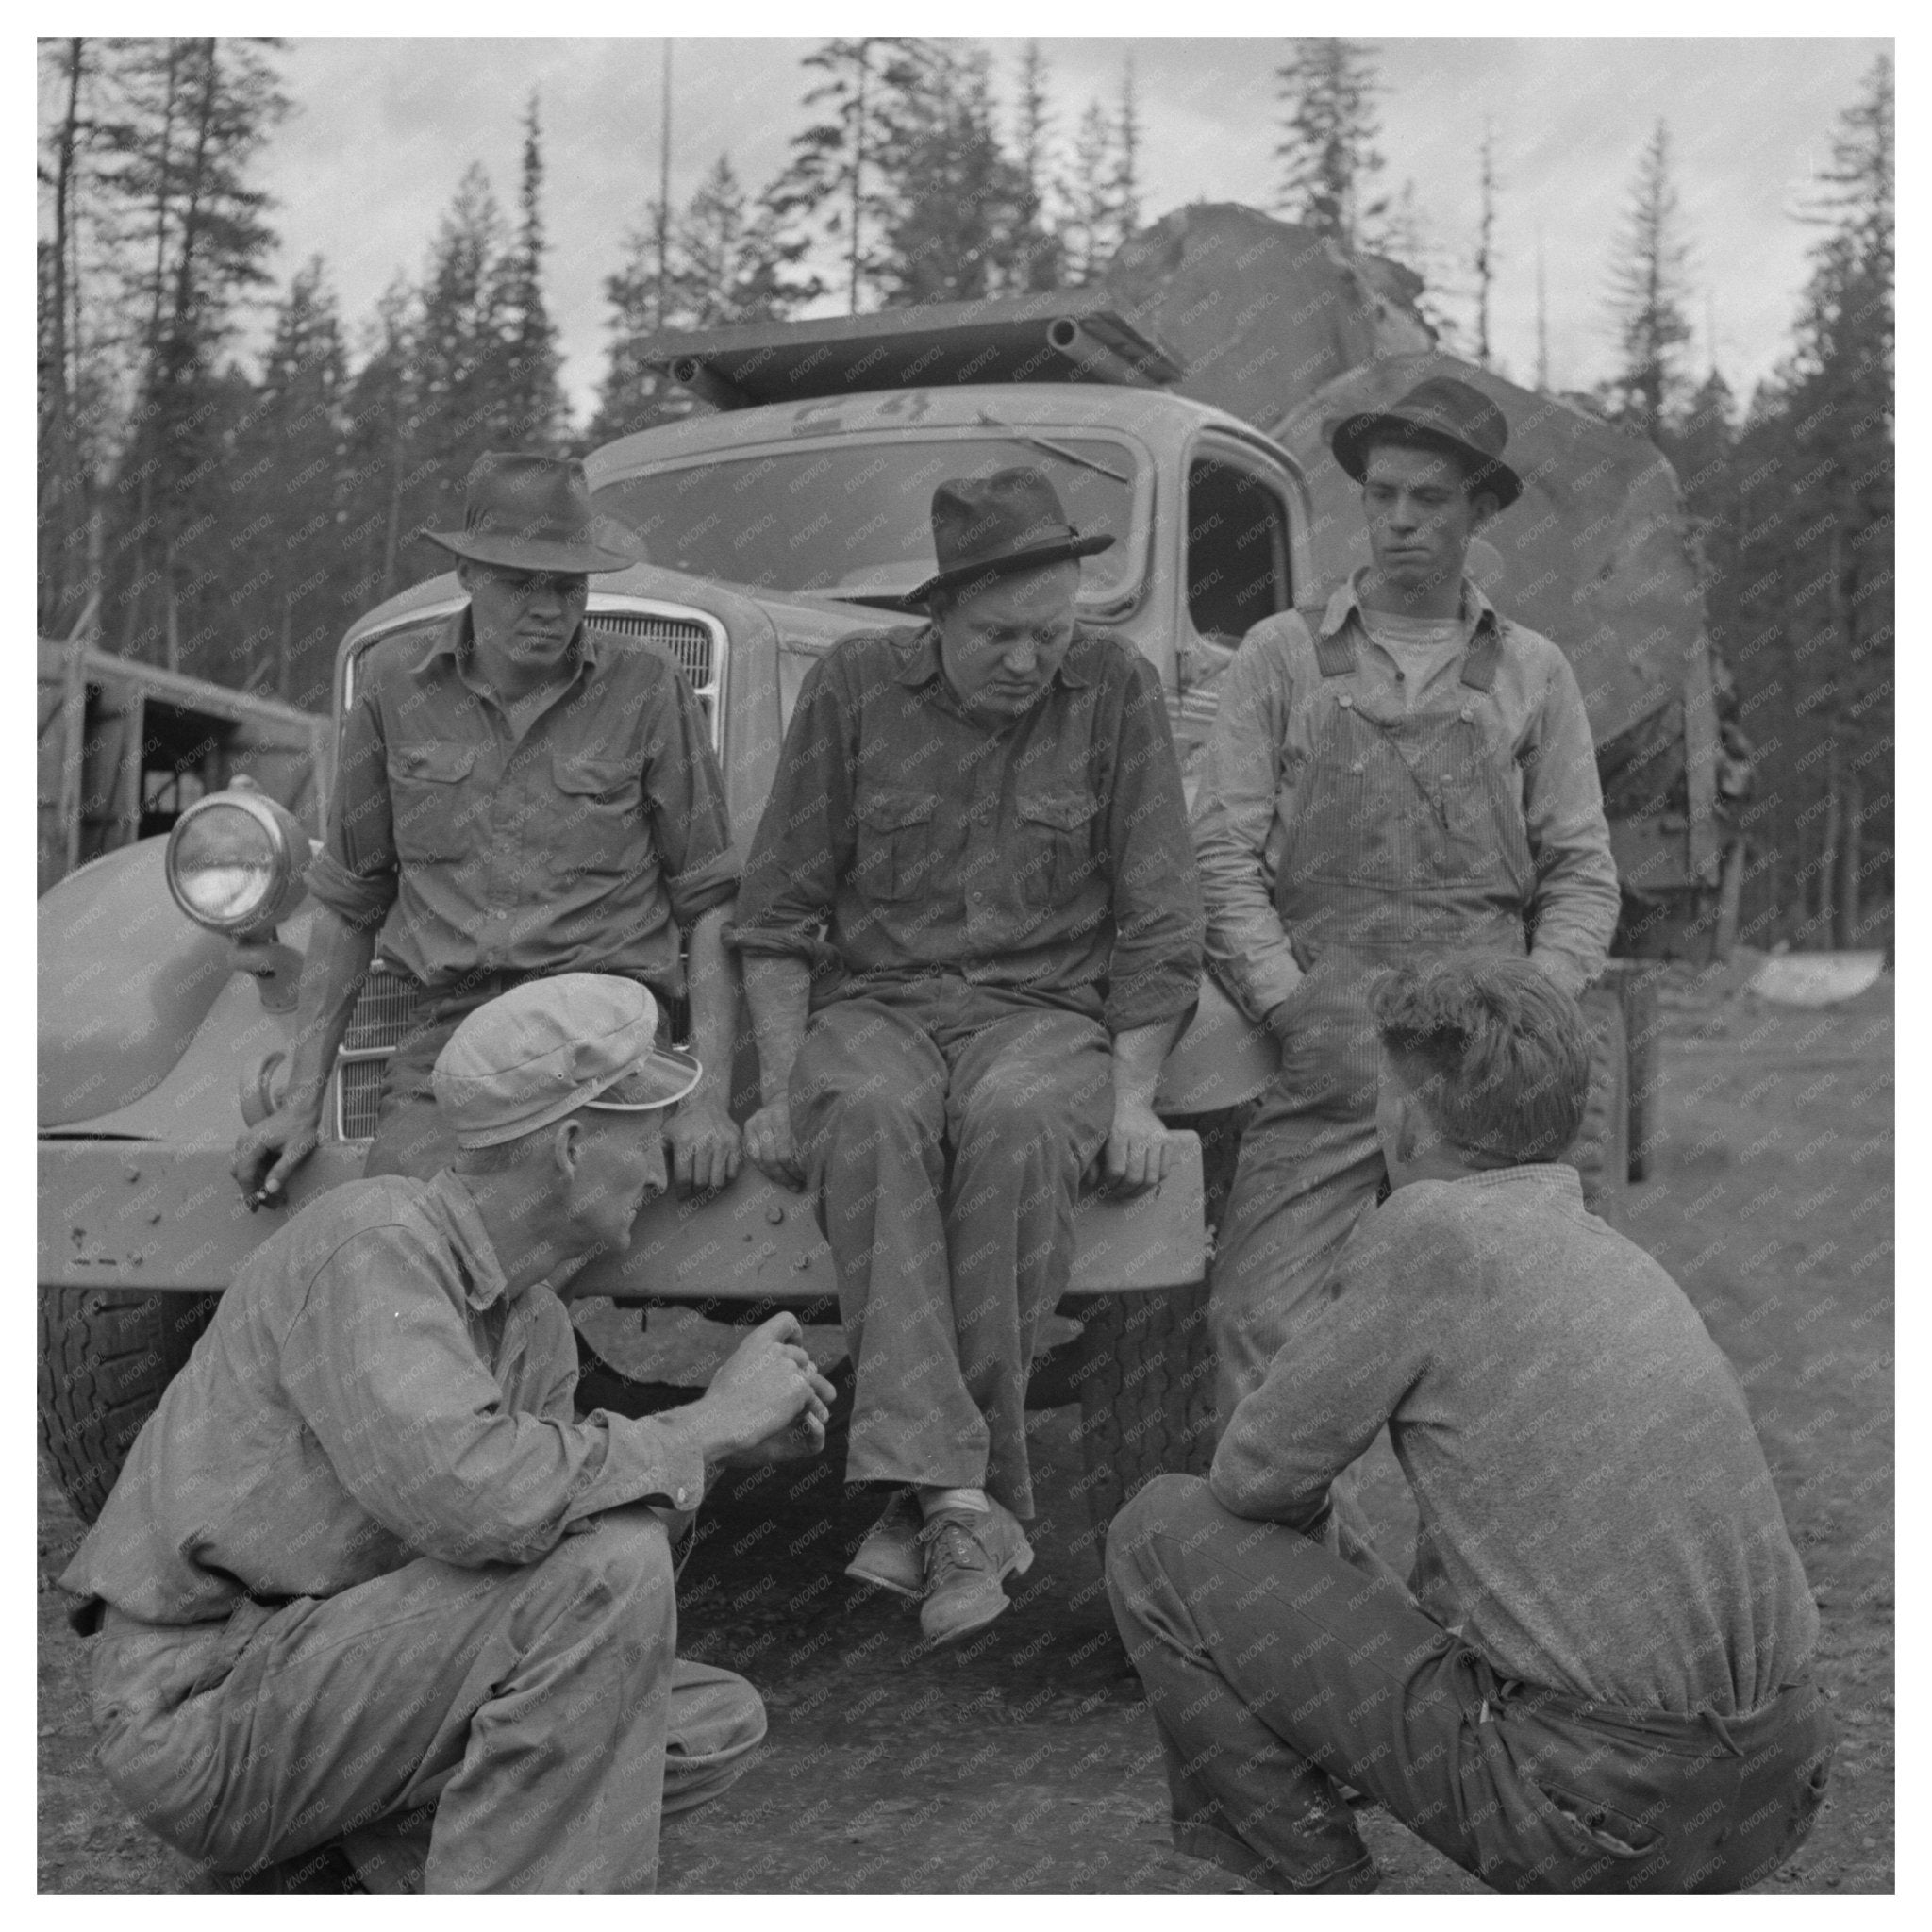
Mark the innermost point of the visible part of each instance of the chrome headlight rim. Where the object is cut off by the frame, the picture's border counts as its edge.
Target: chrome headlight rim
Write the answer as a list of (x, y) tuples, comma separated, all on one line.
[(288, 849)]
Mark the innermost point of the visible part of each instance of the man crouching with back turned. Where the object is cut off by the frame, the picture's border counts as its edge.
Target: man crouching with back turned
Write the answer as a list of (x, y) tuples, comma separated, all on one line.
[(365, 1562), (1601, 1682)]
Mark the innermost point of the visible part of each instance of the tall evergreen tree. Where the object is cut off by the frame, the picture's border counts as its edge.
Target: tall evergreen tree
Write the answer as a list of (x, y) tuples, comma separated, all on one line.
[(1649, 290), (1092, 228), (957, 233), (378, 434), (1039, 255), (289, 460), (533, 401), (1327, 150), (1126, 179), (1485, 261), (195, 115), (837, 176)]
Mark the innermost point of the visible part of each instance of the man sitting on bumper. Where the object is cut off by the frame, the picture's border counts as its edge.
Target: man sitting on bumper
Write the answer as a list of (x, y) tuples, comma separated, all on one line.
[(364, 1560), (1601, 1682), (970, 929)]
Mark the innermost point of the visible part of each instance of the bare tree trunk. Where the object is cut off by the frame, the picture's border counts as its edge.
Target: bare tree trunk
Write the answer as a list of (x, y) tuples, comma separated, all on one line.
[(1827, 854), (1730, 899), (1851, 860)]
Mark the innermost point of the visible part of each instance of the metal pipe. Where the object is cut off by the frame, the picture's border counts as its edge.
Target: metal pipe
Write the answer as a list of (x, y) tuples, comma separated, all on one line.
[(688, 371), (1090, 356)]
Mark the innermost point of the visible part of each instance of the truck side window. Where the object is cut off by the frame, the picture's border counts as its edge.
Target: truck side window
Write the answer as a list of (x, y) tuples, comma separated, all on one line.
[(1237, 550)]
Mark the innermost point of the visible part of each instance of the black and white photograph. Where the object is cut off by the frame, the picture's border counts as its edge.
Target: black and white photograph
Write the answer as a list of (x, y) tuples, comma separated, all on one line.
[(965, 964)]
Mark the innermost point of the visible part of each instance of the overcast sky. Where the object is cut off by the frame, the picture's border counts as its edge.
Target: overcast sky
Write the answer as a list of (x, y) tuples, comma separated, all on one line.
[(383, 129)]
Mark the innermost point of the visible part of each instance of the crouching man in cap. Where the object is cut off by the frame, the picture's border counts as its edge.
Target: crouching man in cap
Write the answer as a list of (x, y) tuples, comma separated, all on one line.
[(970, 929), (523, 794), (363, 1560), (1601, 1681), (1399, 774)]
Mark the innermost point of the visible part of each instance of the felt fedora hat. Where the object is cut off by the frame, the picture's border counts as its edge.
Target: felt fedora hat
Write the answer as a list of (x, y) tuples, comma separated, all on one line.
[(1439, 413), (534, 512), (989, 527)]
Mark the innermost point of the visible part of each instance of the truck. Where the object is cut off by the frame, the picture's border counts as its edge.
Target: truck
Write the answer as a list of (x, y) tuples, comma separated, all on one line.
[(785, 509)]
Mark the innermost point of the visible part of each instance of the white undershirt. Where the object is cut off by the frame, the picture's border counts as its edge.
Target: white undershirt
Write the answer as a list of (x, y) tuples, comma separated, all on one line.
[(1420, 645)]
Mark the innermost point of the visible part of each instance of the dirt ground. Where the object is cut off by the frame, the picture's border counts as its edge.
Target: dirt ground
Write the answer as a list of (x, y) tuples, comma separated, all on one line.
[(1023, 1761)]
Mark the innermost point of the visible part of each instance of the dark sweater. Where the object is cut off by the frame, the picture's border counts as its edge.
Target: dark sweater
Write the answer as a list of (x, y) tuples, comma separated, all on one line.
[(1596, 1512)]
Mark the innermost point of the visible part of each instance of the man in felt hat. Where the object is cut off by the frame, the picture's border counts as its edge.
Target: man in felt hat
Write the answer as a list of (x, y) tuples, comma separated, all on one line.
[(1398, 774), (525, 795), (970, 929), (365, 1569)]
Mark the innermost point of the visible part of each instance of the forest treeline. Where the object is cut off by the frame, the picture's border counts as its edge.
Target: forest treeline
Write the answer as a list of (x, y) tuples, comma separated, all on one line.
[(229, 513)]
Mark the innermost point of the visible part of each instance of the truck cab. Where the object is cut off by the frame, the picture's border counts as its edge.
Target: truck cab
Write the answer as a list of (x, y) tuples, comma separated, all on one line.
[(791, 513)]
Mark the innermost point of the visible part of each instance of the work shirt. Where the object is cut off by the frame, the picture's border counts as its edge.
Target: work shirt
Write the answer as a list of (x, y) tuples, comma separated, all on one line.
[(580, 844), (368, 1392), (1265, 735), (1048, 854), (1596, 1515)]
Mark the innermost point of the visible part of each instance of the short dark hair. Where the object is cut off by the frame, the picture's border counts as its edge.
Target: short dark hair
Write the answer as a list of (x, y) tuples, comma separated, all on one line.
[(1497, 1054)]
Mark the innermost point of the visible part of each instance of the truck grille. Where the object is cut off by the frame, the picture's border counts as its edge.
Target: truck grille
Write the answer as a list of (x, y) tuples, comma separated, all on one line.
[(385, 1009), (689, 643)]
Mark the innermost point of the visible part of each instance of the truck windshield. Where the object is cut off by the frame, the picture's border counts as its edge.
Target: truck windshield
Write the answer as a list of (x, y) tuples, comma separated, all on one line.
[(853, 518)]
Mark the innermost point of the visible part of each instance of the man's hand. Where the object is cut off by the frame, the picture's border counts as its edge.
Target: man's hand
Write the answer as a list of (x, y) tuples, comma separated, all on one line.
[(267, 1156), (767, 1403), (1138, 1150), (703, 1140), (768, 1140)]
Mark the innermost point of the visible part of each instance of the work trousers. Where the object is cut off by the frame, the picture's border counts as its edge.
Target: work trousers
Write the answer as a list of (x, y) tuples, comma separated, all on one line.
[(1310, 1165), (540, 1709), (1274, 1669), (944, 1129)]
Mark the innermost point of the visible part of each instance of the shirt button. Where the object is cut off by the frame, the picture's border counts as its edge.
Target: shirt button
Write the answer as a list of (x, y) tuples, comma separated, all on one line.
[(1399, 678), (682, 1494)]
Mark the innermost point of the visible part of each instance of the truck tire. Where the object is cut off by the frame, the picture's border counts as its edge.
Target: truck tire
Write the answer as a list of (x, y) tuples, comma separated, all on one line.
[(1145, 1376), (106, 1356), (1601, 1153), (1637, 985)]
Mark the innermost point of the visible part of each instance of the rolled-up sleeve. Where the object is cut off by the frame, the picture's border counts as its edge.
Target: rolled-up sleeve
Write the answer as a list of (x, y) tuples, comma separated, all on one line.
[(381, 1366), (803, 841), (685, 793), (355, 873), (1154, 970), (1573, 909), (1235, 810)]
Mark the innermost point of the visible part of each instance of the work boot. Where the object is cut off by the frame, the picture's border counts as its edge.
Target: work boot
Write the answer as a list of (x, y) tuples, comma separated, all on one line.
[(890, 1555), (969, 1553)]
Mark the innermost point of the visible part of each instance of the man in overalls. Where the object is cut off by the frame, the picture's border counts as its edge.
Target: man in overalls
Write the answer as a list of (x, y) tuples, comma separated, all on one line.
[(1404, 773)]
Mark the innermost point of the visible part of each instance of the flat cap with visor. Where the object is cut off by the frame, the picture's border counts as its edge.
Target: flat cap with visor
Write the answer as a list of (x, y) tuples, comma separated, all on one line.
[(550, 1046)]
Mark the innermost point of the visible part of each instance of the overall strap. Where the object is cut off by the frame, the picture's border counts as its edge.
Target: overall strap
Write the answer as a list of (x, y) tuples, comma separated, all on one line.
[(1479, 666), (1335, 653)]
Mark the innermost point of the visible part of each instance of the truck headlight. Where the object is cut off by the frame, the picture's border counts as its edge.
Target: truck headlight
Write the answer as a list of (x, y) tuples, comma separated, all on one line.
[(235, 862)]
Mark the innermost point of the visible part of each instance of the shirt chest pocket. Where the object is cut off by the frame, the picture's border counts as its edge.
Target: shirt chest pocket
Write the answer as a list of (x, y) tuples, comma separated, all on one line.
[(600, 813), (1054, 858), (429, 802), (893, 842)]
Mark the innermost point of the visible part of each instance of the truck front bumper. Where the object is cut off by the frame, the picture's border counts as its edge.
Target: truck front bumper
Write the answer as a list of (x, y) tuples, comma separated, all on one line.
[(145, 1216)]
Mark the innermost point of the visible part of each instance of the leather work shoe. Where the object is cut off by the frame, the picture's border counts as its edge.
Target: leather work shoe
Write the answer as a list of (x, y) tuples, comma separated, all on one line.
[(969, 1552), (890, 1555)]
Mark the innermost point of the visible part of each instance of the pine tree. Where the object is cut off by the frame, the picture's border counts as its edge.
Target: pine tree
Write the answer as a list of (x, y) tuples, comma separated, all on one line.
[(1092, 227), (838, 175), (191, 237), (1327, 151), (467, 385), (957, 233), (534, 403), (289, 464), (1038, 258), (1649, 290), (1485, 262), (1126, 179), (378, 435)]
